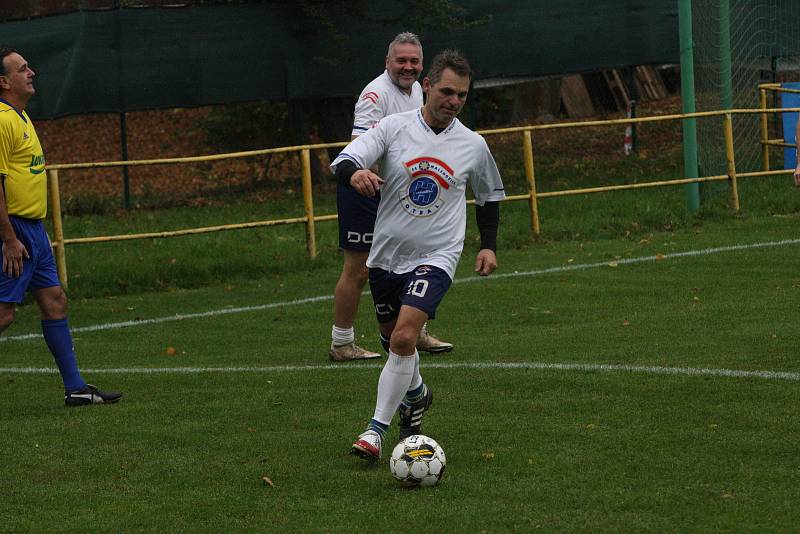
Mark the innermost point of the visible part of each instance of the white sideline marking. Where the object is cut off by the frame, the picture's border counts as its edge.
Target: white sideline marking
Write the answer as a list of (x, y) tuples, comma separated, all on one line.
[(585, 367), (178, 317), (559, 269)]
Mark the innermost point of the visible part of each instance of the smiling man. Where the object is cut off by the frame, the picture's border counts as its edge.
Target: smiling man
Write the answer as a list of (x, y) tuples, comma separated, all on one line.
[(427, 160), (28, 263), (395, 91)]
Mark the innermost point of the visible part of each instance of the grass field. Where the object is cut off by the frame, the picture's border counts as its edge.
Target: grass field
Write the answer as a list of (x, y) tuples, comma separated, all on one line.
[(639, 381)]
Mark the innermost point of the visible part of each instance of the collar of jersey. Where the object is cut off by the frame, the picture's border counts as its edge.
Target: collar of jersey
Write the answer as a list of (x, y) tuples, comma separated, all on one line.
[(21, 116), (428, 128)]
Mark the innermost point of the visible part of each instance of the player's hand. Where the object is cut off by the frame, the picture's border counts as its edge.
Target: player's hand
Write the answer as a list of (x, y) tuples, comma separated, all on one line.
[(14, 254), (485, 262), (366, 182), (797, 176)]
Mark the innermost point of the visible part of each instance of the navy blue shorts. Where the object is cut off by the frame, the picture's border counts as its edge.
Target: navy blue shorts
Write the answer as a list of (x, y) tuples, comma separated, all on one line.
[(423, 288), (356, 218), (39, 271)]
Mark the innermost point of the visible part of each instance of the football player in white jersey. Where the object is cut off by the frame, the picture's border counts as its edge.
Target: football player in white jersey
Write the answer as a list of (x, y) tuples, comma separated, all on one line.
[(427, 158), (394, 91)]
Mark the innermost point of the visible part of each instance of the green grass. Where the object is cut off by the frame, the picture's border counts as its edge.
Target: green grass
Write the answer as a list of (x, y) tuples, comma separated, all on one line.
[(532, 445), (132, 267), (528, 448)]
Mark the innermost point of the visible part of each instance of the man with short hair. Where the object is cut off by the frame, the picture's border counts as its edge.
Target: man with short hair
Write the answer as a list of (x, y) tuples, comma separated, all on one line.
[(427, 159), (28, 263), (395, 91)]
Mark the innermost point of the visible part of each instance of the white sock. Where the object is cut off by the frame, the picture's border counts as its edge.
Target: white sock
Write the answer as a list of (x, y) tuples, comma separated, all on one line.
[(416, 378), (393, 384), (342, 336)]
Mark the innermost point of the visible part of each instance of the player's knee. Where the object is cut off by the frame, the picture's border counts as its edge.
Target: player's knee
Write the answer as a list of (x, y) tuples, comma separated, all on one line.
[(404, 340), (357, 273), (54, 305), (6, 317)]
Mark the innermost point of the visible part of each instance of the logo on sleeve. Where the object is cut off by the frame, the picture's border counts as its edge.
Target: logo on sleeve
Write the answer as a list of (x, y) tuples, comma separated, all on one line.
[(372, 96), (428, 178)]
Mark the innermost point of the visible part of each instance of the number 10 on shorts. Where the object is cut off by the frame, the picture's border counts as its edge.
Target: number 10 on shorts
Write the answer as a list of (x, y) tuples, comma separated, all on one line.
[(418, 288)]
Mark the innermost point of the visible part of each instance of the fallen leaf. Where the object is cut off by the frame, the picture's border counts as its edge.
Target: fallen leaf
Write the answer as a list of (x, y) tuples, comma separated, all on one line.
[(626, 323), (613, 264), (171, 351), (660, 257), (268, 482), (489, 455)]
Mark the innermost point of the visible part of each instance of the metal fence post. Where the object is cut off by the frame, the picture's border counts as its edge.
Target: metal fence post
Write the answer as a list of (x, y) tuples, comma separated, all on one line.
[(764, 131), (529, 174), (308, 201), (731, 162), (58, 227)]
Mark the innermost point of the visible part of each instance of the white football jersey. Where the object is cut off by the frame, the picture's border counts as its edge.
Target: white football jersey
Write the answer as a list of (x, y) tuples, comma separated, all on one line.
[(422, 214), (381, 98)]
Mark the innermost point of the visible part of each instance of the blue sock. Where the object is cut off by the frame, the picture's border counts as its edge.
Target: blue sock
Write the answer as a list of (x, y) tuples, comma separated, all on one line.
[(415, 394), (59, 341), (378, 427)]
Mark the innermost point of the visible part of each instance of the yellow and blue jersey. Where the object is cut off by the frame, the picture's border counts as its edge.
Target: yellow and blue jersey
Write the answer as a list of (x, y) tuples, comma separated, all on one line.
[(22, 163)]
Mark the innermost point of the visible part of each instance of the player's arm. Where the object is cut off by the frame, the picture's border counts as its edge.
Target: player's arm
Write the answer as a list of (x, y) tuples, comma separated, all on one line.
[(365, 181), (370, 108), (488, 219), (374, 168), (14, 252)]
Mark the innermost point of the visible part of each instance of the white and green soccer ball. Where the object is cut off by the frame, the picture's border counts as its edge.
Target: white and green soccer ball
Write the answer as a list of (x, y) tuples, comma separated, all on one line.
[(417, 461)]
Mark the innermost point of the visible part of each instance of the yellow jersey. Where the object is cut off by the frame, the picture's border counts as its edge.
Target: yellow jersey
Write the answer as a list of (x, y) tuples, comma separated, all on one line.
[(22, 163)]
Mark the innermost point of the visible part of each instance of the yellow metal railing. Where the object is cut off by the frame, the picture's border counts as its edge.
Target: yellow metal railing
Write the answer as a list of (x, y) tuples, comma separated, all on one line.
[(309, 218), (766, 142)]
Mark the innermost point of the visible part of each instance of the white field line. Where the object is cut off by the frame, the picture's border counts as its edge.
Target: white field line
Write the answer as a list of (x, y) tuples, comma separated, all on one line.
[(580, 367), (559, 269)]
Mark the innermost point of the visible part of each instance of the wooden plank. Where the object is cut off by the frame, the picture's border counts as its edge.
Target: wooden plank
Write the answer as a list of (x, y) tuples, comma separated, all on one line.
[(617, 88), (575, 96), (535, 100), (650, 81)]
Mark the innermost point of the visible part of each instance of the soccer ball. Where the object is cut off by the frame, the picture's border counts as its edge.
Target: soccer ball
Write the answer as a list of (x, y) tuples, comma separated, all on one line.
[(417, 461)]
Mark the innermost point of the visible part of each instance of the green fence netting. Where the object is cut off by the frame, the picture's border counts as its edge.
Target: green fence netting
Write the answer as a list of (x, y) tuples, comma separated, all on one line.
[(134, 59)]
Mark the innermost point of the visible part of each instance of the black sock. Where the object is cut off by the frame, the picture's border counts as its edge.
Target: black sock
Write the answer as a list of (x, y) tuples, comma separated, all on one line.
[(385, 342)]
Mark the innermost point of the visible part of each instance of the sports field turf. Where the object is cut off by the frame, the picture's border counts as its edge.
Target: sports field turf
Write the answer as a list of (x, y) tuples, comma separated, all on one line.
[(604, 385)]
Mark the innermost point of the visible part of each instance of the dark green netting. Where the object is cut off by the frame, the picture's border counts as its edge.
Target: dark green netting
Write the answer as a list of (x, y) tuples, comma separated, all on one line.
[(134, 59)]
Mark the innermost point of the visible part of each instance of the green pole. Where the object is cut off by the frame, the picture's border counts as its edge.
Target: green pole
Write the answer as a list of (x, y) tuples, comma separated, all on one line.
[(688, 103)]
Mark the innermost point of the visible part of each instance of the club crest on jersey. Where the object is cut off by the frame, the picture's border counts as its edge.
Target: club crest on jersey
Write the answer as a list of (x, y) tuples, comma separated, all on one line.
[(423, 194)]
